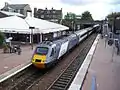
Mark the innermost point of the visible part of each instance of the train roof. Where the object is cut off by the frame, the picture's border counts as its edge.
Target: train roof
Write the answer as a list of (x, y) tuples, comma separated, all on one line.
[(96, 25), (80, 32), (51, 43), (63, 39)]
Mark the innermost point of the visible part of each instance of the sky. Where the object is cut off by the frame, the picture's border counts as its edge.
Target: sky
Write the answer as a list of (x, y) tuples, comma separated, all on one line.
[(98, 8)]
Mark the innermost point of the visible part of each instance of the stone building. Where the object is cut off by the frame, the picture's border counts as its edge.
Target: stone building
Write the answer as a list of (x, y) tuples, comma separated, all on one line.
[(52, 15), (17, 8)]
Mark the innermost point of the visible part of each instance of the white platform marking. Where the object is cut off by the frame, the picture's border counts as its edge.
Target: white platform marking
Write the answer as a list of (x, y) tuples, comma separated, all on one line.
[(14, 71), (78, 80)]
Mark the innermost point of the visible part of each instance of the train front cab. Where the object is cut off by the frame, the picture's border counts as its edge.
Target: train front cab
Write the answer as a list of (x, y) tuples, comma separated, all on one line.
[(43, 57), (39, 57)]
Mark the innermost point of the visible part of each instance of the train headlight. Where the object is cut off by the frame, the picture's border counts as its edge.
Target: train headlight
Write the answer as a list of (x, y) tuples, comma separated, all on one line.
[(33, 60)]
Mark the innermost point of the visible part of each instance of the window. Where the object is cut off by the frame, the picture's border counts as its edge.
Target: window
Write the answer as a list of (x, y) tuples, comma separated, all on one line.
[(52, 53), (47, 15), (42, 11), (42, 16), (18, 11), (54, 11), (41, 50), (48, 11), (54, 16), (21, 11)]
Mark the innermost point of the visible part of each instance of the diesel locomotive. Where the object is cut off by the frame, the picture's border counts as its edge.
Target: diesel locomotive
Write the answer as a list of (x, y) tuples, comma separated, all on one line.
[(48, 52)]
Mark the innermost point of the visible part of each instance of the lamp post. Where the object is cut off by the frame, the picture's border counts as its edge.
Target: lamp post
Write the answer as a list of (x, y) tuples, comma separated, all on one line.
[(31, 36)]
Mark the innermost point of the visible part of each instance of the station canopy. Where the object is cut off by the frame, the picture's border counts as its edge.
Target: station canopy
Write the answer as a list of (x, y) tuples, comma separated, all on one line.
[(45, 26), (13, 24), (17, 24)]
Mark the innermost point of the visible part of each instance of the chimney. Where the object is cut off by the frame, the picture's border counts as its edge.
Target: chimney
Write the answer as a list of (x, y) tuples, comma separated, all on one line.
[(29, 13), (35, 12), (6, 3)]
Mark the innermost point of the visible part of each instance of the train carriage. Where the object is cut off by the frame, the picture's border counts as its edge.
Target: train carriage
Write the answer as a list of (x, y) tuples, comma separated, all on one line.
[(47, 52), (73, 40)]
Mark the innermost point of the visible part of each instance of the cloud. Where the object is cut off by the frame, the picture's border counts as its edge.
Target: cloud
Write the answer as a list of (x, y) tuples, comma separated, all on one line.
[(77, 2), (98, 8), (115, 2), (86, 2), (2, 3)]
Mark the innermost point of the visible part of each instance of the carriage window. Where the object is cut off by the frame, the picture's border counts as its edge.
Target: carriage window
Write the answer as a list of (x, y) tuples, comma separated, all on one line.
[(41, 50), (52, 53)]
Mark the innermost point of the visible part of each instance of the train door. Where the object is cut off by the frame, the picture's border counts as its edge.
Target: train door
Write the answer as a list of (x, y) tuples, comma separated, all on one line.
[(52, 55)]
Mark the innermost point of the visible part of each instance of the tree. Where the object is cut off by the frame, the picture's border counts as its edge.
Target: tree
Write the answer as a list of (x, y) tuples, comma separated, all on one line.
[(86, 16), (70, 16), (112, 16), (1, 38)]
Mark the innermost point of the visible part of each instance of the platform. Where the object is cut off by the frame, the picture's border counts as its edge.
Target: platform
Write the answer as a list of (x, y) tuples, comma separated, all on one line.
[(105, 67), (102, 72), (11, 63)]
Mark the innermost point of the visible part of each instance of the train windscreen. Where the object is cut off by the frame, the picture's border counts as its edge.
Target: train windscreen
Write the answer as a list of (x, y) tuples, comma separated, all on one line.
[(41, 50)]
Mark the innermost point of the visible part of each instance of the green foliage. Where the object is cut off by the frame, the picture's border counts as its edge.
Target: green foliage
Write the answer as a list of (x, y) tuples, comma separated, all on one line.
[(2, 37), (111, 16), (70, 16), (86, 16)]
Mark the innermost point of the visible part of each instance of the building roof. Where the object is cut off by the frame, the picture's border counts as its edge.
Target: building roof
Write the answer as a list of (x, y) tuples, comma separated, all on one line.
[(15, 6), (12, 13)]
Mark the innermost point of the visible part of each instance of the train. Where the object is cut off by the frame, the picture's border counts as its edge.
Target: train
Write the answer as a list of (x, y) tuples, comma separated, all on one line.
[(49, 52)]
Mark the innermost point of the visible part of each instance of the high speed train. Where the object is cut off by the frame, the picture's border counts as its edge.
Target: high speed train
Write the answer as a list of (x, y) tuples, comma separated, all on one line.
[(47, 52)]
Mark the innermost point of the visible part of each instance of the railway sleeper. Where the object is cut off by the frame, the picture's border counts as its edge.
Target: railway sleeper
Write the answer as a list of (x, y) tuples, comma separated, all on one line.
[(60, 85), (71, 70), (56, 88), (60, 82), (65, 78), (72, 67), (69, 76)]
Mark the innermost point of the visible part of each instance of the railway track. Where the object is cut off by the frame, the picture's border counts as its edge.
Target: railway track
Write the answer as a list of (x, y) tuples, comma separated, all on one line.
[(29, 78), (67, 76), (22, 80)]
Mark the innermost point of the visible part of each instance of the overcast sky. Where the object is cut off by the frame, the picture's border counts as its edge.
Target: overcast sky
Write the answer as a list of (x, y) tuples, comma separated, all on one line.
[(98, 8)]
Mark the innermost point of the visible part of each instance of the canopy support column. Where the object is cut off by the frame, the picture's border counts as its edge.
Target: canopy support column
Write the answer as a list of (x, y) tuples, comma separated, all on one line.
[(41, 37), (30, 38)]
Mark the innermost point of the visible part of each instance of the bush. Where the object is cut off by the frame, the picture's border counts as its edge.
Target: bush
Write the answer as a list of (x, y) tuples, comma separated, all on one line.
[(2, 37)]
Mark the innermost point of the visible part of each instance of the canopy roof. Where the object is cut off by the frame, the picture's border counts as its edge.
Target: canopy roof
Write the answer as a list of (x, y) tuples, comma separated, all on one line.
[(17, 24), (45, 26), (14, 24)]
